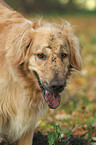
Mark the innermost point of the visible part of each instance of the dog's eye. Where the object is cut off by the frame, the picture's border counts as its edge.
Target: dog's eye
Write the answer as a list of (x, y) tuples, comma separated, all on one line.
[(41, 56), (63, 55)]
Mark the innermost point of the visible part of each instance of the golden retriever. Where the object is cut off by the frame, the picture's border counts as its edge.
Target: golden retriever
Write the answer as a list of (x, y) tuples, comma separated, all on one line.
[(35, 61)]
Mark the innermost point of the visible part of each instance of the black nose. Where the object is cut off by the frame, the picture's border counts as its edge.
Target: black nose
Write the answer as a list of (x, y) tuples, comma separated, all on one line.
[(57, 85)]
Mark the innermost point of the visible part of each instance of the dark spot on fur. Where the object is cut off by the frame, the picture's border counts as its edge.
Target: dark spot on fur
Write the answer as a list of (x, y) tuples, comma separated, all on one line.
[(59, 34), (49, 47), (65, 45), (53, 59), (52, 37), (61, 46)]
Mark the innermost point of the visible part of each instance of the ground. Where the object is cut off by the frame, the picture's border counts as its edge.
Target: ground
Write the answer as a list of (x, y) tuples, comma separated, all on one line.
[(40, 139)]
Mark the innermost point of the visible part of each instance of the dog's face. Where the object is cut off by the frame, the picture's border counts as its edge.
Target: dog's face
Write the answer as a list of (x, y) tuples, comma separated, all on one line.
[(53, 52), (50, 62)]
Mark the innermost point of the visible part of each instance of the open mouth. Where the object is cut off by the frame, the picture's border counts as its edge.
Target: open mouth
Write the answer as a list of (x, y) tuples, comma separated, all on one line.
[(52, 98)]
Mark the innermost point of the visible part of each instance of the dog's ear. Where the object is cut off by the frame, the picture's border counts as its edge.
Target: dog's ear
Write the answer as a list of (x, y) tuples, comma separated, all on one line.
[(75, 46), (75, 53), (22, 46)]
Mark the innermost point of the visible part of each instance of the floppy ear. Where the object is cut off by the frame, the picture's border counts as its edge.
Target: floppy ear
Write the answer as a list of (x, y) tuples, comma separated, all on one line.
[(22, 46), (75, 52), (75, 46)]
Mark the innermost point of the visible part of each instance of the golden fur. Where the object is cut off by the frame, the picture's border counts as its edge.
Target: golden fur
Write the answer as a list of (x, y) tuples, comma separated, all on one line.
[(21, 98)]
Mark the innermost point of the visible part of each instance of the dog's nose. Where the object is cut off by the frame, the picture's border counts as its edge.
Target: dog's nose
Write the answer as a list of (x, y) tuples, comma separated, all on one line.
[(57, 85)]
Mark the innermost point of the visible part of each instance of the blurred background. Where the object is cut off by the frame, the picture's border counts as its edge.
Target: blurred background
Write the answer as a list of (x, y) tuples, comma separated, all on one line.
[(53, 5), (77, 112)]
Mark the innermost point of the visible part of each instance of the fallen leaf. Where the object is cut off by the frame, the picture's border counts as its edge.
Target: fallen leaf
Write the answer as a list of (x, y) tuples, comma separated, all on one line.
[(79, 131)]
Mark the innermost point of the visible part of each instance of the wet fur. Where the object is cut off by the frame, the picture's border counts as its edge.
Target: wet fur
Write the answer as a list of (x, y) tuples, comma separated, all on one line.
[(21, 98)]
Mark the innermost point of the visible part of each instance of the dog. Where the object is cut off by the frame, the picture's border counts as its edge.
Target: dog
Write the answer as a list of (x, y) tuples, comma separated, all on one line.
[(36, 59)]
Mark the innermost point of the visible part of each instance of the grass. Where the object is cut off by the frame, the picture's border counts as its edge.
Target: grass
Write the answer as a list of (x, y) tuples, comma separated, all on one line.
[(77, 112)]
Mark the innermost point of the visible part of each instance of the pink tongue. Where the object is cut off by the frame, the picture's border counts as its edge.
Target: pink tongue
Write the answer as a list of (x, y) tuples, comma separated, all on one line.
[(53, 100)]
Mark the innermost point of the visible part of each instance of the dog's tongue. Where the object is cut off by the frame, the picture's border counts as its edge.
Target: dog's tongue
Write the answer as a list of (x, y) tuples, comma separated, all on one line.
[(52, 99)]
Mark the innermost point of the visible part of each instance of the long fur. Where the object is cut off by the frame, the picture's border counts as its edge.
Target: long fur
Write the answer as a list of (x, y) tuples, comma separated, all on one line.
[(21, 100), (13, 87)]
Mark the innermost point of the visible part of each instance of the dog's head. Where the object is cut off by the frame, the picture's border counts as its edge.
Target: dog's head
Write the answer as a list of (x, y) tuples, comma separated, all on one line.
[(50, 53)]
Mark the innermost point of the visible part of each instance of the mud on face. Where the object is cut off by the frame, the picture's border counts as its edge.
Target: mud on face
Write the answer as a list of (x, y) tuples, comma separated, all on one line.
[(50, 62), (53, 52)]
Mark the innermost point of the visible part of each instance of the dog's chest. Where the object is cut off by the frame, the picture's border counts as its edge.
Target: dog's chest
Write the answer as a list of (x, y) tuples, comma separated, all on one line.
[(26, 117), (24, 120), (21, 124), (28, 109)]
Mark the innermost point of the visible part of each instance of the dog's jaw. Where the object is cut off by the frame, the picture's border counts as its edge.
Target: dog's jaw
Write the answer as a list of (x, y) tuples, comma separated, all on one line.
[(52, 99)]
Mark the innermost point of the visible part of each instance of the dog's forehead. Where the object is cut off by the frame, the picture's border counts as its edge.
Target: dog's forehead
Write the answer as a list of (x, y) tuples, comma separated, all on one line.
[(52, 38), (49, 40), (56, 40)]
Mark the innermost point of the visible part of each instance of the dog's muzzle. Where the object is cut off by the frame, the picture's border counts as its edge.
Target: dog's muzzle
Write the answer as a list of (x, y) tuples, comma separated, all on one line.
[(51, 92)]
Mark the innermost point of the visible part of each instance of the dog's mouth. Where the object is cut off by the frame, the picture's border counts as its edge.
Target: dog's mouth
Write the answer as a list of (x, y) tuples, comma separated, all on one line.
[(52, 99)]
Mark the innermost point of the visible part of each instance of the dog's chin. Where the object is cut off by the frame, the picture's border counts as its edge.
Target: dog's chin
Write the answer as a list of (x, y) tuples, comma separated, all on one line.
[(52, 98)]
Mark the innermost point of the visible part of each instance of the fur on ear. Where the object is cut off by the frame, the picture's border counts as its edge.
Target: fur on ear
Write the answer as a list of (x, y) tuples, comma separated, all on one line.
[(75, 53), (22, 46), (75, 46)]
